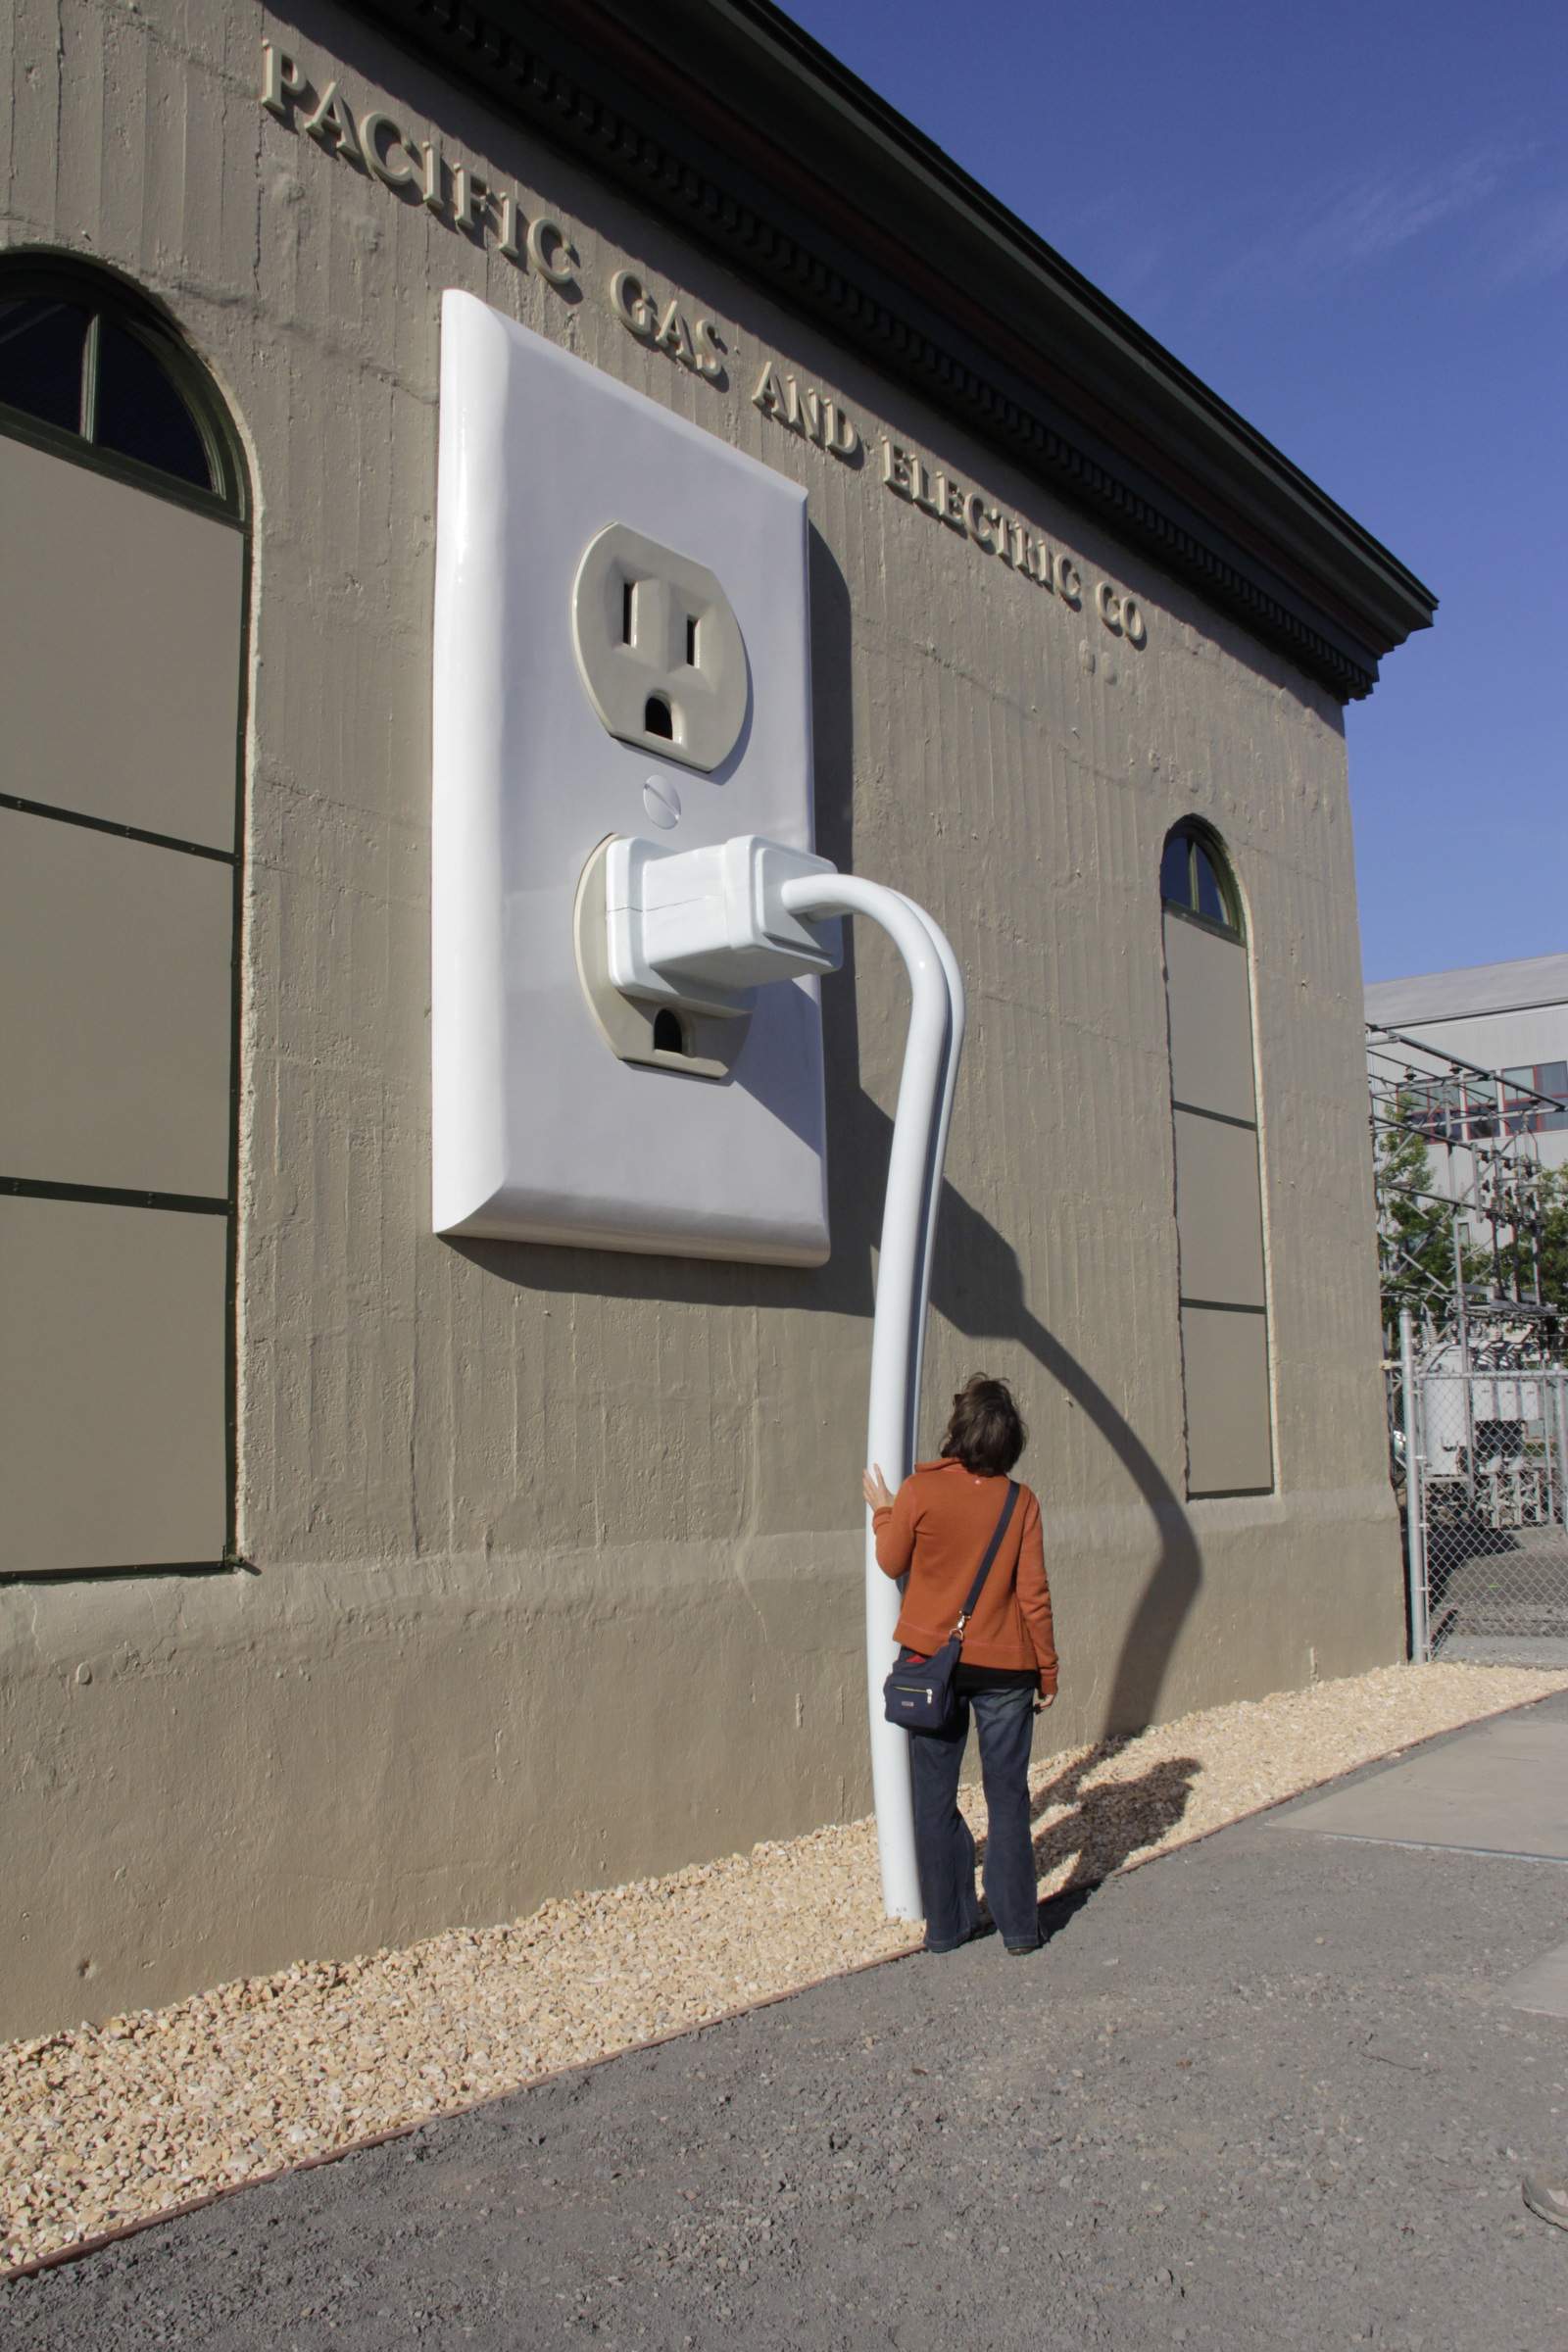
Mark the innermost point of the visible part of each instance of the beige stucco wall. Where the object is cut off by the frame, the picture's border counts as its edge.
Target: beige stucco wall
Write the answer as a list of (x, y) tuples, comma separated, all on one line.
[(556, 1555)]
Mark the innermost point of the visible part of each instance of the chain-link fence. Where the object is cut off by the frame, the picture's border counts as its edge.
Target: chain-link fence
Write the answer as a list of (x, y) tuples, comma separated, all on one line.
[(1487, 1500)]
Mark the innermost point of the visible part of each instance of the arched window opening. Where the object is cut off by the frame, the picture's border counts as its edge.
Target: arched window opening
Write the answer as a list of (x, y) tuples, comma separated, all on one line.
[(82, 357), (120, 676), (1195, 877), (1222, 1302)]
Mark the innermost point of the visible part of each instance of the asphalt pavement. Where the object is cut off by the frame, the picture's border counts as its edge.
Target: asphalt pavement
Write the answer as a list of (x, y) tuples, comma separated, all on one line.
[(1275, 2091)]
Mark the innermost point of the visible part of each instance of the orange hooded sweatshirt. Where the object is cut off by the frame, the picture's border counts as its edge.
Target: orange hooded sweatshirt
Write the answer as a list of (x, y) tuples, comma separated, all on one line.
[(937, 1530)]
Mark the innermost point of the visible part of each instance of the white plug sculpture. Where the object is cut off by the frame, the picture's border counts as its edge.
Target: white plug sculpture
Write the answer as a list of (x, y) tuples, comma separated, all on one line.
[(622, 634), (729, 920)]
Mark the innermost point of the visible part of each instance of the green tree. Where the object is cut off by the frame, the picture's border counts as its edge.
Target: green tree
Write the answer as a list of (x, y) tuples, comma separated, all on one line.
[(1541, 1203), (1555, 1238), (1415, 1229)]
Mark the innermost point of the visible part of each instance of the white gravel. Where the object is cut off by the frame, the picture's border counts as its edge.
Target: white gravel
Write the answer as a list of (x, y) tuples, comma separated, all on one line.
[(106, 2124)]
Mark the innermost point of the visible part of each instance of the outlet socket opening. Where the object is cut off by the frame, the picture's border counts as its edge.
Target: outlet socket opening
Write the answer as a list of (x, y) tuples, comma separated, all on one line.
[(659, 649)]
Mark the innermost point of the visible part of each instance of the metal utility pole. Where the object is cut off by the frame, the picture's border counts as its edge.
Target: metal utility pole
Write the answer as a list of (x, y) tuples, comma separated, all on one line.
[(1415, 1551)]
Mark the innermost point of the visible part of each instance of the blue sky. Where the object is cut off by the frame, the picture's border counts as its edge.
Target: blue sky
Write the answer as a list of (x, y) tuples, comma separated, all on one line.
[(1351, 221)]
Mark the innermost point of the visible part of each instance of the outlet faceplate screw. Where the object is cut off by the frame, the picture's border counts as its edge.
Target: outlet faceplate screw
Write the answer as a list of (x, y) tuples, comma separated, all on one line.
[(662, 802)]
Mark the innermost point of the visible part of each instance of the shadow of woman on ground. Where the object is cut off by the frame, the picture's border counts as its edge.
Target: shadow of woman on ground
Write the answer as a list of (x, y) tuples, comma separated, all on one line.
[(1109, 1822)]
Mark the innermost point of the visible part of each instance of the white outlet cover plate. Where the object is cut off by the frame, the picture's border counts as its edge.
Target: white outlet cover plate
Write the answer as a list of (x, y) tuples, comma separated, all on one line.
[(539, 1132)]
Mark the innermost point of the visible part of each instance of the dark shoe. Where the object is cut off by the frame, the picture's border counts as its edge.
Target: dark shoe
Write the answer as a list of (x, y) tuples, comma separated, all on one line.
[(1021, 1952), (1549, 2198)]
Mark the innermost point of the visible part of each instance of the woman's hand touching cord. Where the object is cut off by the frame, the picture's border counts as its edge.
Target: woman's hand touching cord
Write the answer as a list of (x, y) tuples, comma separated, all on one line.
[(874, 1487)]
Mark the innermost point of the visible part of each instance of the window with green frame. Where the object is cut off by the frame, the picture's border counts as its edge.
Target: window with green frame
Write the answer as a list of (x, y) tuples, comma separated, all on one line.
[(87, 369), (1193, 877)]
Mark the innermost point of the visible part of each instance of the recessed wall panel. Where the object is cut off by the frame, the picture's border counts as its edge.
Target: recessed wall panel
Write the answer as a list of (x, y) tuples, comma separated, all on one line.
[(1210, 1020), (115, 973), (1219, 1216), (120, 649), (1225, 1358), (111, 1386)]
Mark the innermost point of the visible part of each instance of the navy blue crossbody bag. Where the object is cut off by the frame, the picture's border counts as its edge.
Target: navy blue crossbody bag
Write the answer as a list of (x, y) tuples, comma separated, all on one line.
[(921, 1698)]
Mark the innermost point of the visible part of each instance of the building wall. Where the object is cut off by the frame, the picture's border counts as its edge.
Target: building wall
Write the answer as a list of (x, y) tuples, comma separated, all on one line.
[(553, 1558)]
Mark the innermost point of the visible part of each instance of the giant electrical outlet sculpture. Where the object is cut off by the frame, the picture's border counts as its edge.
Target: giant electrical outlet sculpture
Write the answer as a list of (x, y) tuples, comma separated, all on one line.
[(629, 924)]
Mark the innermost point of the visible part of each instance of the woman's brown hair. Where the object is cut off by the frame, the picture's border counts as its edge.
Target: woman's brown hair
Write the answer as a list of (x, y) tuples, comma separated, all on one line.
[(986, 1431)]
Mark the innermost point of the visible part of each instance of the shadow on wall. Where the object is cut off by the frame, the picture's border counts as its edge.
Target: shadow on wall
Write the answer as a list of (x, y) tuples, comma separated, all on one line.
[(977, 1282)]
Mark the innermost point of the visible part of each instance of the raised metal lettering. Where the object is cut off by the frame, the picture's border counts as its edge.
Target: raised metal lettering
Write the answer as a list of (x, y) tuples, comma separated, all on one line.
[(470, 198), (843, 434), (674, 336), (709, 351), (631, 305), (378, 135), (432, 173), (925, 494), (332, 125), (769, 394), (282, 82), (551, 252), (975, 510)]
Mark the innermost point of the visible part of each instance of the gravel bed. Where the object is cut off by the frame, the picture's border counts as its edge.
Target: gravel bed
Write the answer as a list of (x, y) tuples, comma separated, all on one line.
[(105, 2124)]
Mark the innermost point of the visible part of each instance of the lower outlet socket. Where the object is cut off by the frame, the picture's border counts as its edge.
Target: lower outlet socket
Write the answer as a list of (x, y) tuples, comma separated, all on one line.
[(635, 1031)]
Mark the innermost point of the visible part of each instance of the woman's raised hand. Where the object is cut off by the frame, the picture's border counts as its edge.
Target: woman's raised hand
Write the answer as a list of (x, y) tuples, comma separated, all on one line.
[(874, 1487)]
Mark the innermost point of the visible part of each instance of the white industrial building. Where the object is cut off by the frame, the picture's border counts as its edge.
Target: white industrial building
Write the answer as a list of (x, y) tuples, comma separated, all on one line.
[(1510, 1019)]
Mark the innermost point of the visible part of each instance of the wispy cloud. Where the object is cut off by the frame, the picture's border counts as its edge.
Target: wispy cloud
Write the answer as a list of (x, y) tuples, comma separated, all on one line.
[(1376, 213), (1534, 243), (1354, 222), (1345, 224)]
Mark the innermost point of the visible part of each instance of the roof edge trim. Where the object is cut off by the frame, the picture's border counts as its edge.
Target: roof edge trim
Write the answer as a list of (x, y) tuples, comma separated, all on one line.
[(1080, 397)]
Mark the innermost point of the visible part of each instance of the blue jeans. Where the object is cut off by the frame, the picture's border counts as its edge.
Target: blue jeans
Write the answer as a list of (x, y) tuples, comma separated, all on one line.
[(943, 1845)]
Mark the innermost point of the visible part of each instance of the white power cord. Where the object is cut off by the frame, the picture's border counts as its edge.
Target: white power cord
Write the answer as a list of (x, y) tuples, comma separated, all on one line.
[(700, 928), (926, 1085)]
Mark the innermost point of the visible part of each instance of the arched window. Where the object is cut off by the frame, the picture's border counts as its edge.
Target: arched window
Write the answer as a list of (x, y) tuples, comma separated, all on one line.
[(109, 381), (1194, 878), (1219, 1221), (122, 577)]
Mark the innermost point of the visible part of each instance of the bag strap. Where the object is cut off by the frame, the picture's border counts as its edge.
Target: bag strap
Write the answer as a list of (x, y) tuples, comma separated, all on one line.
[(992, 1549)]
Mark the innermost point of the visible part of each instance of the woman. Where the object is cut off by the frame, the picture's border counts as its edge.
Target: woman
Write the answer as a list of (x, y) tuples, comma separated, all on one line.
[(936, 1531)]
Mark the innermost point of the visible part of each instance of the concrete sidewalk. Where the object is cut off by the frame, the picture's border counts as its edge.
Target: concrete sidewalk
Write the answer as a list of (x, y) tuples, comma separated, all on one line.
[(1275, 2091)]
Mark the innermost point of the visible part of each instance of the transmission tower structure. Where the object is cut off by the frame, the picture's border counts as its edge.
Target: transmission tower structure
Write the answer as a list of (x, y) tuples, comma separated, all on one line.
[(1458, 1191)]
